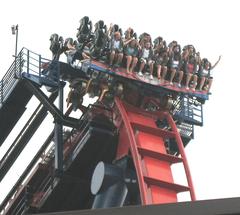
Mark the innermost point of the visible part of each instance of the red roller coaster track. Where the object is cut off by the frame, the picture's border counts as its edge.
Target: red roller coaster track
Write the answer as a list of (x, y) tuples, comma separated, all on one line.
[(152, 162)]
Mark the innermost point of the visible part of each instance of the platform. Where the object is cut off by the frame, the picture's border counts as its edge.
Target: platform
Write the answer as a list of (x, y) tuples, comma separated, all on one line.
[(206, 207)]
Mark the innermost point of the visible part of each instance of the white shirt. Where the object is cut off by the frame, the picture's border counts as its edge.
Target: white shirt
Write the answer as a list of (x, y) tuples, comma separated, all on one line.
[(116, 44), (205, 72), (145, 53)]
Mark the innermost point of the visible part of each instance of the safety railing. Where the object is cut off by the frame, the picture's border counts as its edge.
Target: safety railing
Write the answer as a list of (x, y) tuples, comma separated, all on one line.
[(33, 62), (26, 61), (189, 110), (10, 78), (186, 130)]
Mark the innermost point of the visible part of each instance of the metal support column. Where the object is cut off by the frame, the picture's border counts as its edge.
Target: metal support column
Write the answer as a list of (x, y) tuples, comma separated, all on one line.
[(58, 139)]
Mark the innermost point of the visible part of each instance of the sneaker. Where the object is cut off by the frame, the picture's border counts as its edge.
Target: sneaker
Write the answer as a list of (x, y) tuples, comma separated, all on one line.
[(205, 88), (171, 83), (140, 73), (179, 85), (151, 77)]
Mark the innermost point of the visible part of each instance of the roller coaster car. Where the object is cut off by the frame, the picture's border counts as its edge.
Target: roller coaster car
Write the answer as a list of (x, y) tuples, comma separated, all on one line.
[(106, 82), (93, 67)]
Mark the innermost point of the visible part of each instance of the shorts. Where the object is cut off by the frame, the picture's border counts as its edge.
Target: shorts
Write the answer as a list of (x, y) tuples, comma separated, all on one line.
[(160, 62), (174, 67), (146, 61), (117, 51), (203, 75)]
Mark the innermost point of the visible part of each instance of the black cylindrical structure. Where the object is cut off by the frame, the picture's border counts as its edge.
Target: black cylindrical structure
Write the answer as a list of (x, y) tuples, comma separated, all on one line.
[(113, 196), (108, 185)]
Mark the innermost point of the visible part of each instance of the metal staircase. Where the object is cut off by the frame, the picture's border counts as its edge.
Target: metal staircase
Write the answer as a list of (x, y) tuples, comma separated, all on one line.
[(14, 94)]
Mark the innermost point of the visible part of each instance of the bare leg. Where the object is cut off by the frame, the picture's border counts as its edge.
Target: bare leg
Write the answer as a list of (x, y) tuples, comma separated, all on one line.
[(195, 79), (209, 83), (85, 56), (189, 76), (202, 83), (119, 58), (173, 72), (180, 77), (129, 60), (151, 68), (164, 73), (112, 55), (159, 67), (134, 63), (141, 66)]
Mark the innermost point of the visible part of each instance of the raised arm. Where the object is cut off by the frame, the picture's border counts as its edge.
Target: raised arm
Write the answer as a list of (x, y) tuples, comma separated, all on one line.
[(109, 31), (219, 58), (128, 41)]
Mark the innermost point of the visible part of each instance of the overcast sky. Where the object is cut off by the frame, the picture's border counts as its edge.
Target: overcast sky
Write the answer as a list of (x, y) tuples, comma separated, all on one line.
[(212, 26)]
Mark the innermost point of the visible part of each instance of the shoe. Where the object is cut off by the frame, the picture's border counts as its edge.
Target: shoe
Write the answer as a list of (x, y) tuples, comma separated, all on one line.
[(140, 73), (179, 85), (187, 88), (151, 77), (171, 83), (205, 88)]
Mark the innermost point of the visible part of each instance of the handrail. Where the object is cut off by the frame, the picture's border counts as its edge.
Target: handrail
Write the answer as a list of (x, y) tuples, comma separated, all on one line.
[(10, 78), (26, 61), (188, 109)]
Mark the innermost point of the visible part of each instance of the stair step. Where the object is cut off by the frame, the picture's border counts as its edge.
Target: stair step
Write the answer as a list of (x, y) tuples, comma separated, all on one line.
[(154, 131), (159, 156), (176, 187)]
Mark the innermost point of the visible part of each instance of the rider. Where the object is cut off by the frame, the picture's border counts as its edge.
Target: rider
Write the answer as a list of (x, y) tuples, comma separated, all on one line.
[(205, 73), (112, 29), (145, 56), (161, 60), (116, 49), (131, 53), (75, 51), (129, 34), (144, 38), (160, 57), (190, 68), (175, 62)]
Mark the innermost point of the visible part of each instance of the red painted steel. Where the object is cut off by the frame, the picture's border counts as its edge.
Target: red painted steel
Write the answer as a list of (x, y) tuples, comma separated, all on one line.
[(132, 144), (140, 135), (183, 155)]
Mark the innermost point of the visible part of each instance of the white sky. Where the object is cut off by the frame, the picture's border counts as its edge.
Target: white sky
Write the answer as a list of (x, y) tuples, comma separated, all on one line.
[(212, 26)]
